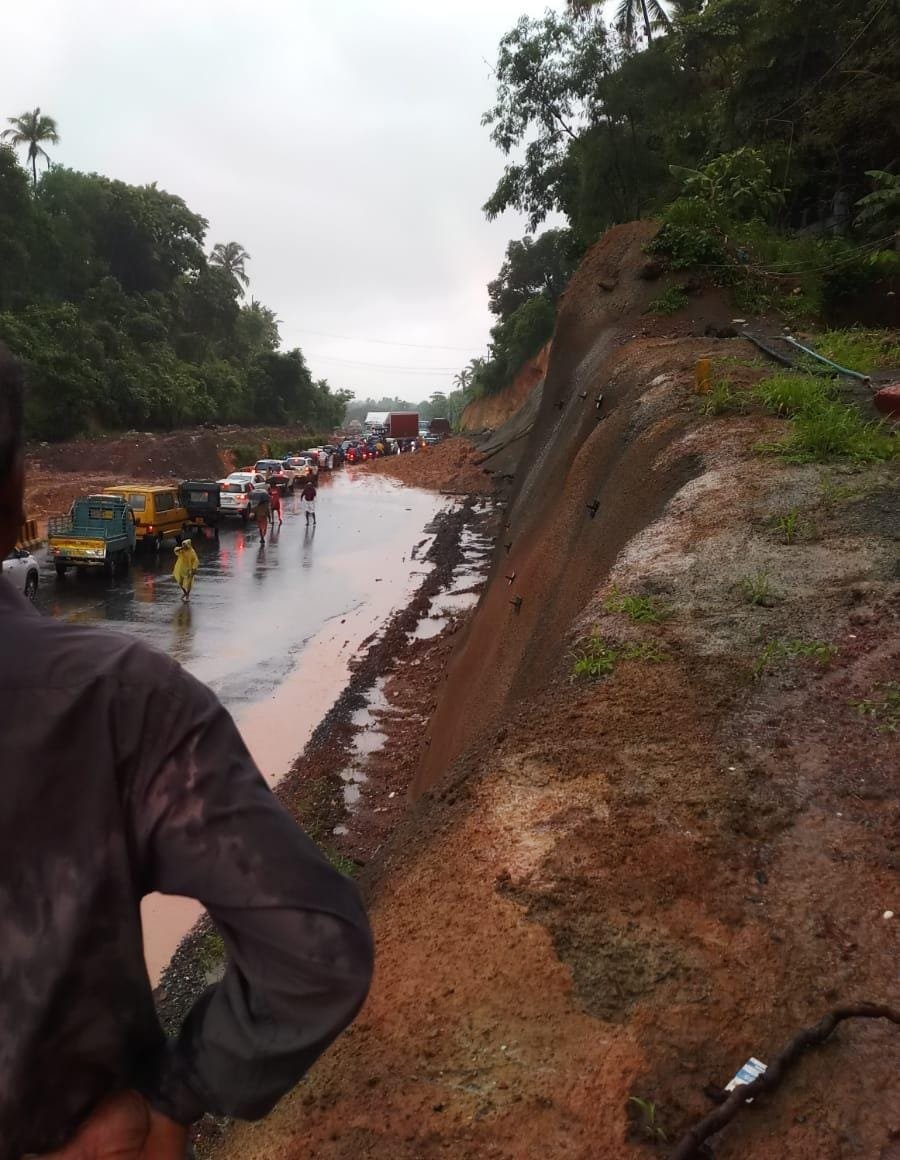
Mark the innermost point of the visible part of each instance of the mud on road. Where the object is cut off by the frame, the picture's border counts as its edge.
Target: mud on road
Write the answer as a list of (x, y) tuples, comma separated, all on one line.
[(313, 788)]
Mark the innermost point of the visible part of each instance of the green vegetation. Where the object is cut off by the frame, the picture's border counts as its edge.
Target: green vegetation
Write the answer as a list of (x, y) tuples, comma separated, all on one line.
[(107, 294), (649, 1123), (789, 394), (523, 299), (595, 658), (776, 651), (823, 428), (788, 525), (210, 951), (883, 707), (757, 589), (727, 119), (723, 400), (836, 431), (669, 302), (642, 609), (860, 350), (345, 865)]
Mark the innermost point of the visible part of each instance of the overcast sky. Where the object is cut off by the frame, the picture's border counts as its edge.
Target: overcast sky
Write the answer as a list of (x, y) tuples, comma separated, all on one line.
[(339, 142)]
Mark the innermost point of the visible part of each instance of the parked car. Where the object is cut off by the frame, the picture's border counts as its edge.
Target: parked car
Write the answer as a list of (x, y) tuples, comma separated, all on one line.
[(202, 500), (20, 569), (158, 514), (98, 532), (234, 497), (273, 472)]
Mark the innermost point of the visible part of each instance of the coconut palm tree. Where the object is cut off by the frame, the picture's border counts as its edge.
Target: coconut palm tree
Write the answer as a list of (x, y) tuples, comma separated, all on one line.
[(32, 129), (650, 12), (230, 257)]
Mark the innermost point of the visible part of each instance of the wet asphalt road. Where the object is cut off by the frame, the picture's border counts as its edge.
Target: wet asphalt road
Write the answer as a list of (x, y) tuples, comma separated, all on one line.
[(270, 629), (253, 609)]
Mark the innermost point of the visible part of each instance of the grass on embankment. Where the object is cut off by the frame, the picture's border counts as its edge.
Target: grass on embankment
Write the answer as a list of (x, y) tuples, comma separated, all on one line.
[(824, 428)]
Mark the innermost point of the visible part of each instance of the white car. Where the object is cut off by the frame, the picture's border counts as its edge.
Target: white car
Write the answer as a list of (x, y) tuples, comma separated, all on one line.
[(21, 569), (295, 467), (234, 495)]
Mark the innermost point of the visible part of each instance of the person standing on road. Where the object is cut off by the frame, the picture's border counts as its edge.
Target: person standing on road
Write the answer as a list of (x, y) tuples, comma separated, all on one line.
[(275, 503), (133, 778), (261, 509), (186, 564), (308, 501)]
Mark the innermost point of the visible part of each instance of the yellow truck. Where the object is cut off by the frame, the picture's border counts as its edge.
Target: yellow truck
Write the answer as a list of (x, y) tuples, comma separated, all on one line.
[(98, 533), (158, 511)]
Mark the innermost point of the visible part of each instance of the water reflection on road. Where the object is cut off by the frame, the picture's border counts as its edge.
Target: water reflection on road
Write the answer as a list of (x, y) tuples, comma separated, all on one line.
[(271, 628)]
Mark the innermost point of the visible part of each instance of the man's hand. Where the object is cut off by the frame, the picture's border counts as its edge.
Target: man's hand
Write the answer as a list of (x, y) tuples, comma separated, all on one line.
[(125, 1127)]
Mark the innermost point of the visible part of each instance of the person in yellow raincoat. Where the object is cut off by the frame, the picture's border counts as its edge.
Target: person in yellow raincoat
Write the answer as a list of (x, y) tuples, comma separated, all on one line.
[(186, 564)]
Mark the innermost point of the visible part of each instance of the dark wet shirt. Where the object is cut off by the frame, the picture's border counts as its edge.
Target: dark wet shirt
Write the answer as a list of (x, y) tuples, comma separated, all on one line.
[(121, 775)]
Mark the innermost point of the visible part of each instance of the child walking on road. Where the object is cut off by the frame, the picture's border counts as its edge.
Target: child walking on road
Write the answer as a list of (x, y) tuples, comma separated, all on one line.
[(308, 497), (186, 564)]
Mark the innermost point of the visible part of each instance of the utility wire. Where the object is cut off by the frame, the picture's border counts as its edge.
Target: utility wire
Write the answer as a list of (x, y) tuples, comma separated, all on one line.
[(383, 341), (382, 366), (835, 63)]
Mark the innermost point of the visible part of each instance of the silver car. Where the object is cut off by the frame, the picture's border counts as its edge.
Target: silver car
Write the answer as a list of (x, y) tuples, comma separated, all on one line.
[(21, 569)]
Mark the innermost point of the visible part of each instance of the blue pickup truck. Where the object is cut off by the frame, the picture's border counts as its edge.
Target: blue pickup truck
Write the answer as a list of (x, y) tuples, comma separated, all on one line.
[(98, 532)]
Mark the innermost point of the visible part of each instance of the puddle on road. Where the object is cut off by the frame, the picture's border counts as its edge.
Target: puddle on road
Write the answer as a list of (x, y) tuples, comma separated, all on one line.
[(308, 676), (277, 728), (429, 626)]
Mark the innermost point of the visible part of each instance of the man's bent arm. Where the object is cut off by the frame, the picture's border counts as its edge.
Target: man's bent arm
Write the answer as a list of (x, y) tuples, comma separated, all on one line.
[(300, 949)]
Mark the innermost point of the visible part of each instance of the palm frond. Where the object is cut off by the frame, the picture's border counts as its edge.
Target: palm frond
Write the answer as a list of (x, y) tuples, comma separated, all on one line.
[(625, 15), (658, 14)]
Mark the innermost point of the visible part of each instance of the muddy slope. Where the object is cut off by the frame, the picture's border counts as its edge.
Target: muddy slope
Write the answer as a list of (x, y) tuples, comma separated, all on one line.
[(493, 410), (619, 889)]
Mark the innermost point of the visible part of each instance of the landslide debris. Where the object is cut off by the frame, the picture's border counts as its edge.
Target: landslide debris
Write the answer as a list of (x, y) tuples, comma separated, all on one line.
[(619, 887)]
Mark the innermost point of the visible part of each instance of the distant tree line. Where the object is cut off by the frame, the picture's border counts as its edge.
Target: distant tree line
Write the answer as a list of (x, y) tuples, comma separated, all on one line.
[(123, 321), (440, 404)]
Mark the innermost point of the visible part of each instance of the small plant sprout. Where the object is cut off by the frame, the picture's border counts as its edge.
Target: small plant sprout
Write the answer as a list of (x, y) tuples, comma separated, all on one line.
[(722, 400), (883, 707), (757, 589), (641, 609), (648, 1121), (820, 651), (595, 658), (788, 526)]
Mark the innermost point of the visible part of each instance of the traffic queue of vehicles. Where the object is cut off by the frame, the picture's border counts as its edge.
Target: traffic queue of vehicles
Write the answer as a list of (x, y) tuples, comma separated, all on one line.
[(101, 532)]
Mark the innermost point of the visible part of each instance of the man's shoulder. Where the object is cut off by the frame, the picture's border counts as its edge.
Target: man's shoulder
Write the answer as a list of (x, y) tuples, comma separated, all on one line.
[(43, 652)]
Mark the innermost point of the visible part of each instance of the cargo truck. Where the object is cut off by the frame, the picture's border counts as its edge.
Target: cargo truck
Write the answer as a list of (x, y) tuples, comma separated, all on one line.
[(403, 425), (439, 427), (97, 533)]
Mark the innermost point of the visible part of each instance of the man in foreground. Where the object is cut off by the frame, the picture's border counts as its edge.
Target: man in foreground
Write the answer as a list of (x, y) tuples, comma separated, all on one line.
[(119, 775)]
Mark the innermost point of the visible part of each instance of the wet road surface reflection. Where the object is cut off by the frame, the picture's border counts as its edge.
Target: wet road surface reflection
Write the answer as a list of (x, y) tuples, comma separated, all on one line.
[(270, 629)]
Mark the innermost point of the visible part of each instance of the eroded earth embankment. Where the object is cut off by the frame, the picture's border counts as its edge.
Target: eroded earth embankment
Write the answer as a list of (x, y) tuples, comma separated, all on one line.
[(653, 829)]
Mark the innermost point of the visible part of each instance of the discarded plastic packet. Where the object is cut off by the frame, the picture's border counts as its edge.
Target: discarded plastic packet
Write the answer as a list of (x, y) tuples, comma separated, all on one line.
[(751, 1070)]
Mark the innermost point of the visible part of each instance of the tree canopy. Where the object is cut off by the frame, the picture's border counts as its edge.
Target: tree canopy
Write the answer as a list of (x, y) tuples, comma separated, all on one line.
[(712, 114), (123, 321)]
